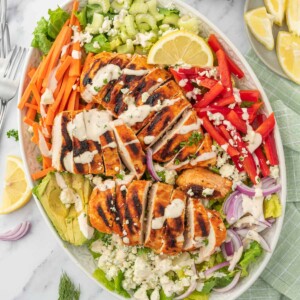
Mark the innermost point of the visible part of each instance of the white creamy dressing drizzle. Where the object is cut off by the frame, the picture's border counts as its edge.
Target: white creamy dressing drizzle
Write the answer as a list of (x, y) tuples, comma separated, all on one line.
[(43, 146), (111, 145), (43, 111), (68, 162), (85, 228), (85, 157), (135, 72), (78, 127), (254, 205), (148, 139), (106, 185), (126, 180), (131, 142), (203, 157), (103, 76), (172, 211), (47, 96), (235, 258), (76, 54), (192, 127)]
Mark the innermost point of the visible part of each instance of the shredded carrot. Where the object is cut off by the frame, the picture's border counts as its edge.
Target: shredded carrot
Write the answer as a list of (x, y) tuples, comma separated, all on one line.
[(74, 9), (89, 106), (68, 89), (32, 106), (31, 72), (76, 106), (47, 162), (42, 173), (50, 116), (35, 93), (28, 121), (31, 113), (58, 88), (81, 106), (60, 94), (35, 137), (75, 68), (72, 101), (63, 67)]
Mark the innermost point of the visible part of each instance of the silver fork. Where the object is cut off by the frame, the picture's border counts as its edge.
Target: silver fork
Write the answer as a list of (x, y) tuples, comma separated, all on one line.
[(9, 81), (5, 45), (3, 9)]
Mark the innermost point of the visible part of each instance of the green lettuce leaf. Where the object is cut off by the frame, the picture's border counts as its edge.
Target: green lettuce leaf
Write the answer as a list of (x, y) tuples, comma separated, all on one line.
[(272, 207), (81, 16), (250, 256), (197, 296), (163, 295), (57, 19), (103, 43)]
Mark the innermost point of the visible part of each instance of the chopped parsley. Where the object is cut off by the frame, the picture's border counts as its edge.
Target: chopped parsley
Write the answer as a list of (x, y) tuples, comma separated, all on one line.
[(195, 138), (120, 176), (193, 156), (105, 81), (39, 159), (13, 133), (97, 88), (162, 175), (205, 242), (177, 161)]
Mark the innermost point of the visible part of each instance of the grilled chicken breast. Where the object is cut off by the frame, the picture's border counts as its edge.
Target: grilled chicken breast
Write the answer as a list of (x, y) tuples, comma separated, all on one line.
[(198, 226), (173, 237), (103, 213), (163, 120), (130, 148), (159, 199), (185, 131), (135, 207), (198, 179)]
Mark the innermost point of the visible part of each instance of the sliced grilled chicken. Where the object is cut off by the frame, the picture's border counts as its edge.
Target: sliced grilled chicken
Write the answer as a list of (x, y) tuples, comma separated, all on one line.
[(196, 180), (62, 145), (130, 78), (198, 225), (103, 97), (130, 148), (91, 80), (217, 234), (194, 156), (148, 84), (102, 211), (159, 199), (169, 90), (136, 203), (173, 237), (121, 191), (185, 131), (163, 120)]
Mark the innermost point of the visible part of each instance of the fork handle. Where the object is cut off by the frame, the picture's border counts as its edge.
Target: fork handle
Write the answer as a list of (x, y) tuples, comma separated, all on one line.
[(2, 114)]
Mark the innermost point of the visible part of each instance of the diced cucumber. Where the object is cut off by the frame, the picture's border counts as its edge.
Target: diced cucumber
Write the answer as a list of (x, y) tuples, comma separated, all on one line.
[(152, 7), (130, 25), (172, 19), (126, 48), (143, 27), (146, 18), (188, 23), (140, 50), (124, 35), (138, 7), (105, 4), (116, 6), (115, 43), (96, 24)]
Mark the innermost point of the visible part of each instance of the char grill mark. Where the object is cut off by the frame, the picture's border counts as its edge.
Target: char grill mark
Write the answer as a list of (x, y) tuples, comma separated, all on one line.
[(136, 203), (201, 222), (102, 215)]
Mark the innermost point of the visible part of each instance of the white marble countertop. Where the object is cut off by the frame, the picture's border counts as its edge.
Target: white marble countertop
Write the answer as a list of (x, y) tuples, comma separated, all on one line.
[(30, 269)]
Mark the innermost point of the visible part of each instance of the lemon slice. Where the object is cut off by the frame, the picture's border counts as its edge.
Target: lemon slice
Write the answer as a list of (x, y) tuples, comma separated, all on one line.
[(181, 47), (277, 9), (260, 24), (16, 190), (293, 16), (288, 52)]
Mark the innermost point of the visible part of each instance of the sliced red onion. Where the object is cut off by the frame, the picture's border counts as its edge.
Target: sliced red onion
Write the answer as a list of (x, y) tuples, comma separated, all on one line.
[(227, 249), (253, 235), (271, 220), (191, 288), (150, 166), (234, 209), (215, 268), (268, 182), (249, 191), (248, 221), (17, 233), (236, 240), (230, 286), (229, 200)]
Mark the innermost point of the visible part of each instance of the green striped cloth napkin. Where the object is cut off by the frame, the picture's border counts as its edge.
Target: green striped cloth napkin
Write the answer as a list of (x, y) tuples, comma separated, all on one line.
[(281, 278)]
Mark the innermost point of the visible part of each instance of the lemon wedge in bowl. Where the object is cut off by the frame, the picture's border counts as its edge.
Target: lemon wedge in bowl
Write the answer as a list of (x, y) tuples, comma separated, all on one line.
[(277, 9), (288, 52), (16, 190), (293, 16), (260, 24), (181, 47)]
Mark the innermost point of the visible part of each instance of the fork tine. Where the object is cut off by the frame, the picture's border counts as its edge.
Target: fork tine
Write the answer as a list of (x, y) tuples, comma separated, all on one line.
[(7, 36), (3, 11), (11, 59), (2, 49), (18, 64)]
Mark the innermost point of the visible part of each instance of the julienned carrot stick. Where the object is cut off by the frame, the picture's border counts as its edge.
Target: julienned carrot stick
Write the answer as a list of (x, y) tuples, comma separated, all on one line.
[(31, 113), (59, 97), (75, 68), (68, 90), (35, 137), (50, 116), (89, 105), (76, 107), (47, 162), (42, 173), (28, 121), (63, 67), (72, 101), (32, 106), (74, 9), (58, 88), (35, 93), (63, 38), (31, 72)]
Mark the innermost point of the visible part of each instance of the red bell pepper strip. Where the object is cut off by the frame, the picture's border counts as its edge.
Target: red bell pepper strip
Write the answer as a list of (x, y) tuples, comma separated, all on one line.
[(253, 110), (215, 45), (202, 111), (218, 137), (225, 101), (266, 127), (187, 71), (206, 82), (211, 95), (237, 121), (224, 73), (250, 95), (178, 77), (265, 170), (225, 132)]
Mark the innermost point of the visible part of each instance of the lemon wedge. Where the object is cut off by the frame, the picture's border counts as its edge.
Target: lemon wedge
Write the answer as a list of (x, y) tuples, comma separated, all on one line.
[(16, 190), (181, 47), (277, 9), (293, 16), (288, 52), (260, 24)]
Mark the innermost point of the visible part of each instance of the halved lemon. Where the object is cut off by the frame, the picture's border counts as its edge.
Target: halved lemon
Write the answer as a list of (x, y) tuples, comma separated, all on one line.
[(277, 9), (260, 24), (181, 47), (288, 52), (293, 16), (16, 190)]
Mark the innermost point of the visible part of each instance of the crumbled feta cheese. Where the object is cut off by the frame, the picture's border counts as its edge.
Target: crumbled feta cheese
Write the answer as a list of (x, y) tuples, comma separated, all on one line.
[(190, 192), (217, 118), (274, 172), (47, 97), (207, 192), (143, 39), (96, 45), (183, 82), (145, 97), (125, 90), (227, 170)]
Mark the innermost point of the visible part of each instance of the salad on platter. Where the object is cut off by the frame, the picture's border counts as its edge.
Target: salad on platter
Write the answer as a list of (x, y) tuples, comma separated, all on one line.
[(150, 154)]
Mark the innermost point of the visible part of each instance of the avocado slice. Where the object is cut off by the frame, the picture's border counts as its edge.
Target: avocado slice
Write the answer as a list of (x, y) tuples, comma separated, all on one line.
[(64, 220)]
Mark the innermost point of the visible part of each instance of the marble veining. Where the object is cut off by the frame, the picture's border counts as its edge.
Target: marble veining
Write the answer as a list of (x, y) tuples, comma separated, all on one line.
[(30, 268)]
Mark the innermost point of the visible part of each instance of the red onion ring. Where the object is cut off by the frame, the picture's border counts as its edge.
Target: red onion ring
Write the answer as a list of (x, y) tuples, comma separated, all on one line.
[(191, 288), (234, 209), (227, 249), (215, 268), (150, 166), (254, 236), (17, 233), (249, 191), (229, 200), (230, 286)]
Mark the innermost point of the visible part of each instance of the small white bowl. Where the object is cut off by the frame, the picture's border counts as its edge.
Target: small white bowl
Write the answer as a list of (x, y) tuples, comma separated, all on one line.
[(81, 255)]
